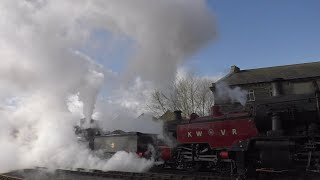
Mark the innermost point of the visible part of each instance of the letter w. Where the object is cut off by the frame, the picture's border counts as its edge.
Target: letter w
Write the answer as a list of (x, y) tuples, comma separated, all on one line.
[(199, 133)]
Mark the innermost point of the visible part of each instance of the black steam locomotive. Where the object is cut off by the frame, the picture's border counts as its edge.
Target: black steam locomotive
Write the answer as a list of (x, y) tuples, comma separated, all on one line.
[(276, 135)]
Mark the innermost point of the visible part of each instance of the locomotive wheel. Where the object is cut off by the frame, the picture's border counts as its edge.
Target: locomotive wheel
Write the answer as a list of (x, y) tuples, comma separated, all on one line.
[(180, 163)]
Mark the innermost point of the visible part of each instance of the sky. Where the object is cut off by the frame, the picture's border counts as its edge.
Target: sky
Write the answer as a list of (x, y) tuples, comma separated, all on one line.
[(253, 34)]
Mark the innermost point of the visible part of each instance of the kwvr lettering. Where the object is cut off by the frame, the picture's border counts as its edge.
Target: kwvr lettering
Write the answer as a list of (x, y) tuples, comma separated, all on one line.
[(234, 132), (211, 132), (223, 132), (199, 133)]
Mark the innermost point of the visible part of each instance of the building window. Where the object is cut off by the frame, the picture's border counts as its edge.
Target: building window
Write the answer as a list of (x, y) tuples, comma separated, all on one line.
[(251, 95), (271, 92)]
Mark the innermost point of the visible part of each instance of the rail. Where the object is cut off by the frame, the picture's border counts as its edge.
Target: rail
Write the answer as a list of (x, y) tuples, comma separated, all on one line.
[(5, 177), (62, 174)]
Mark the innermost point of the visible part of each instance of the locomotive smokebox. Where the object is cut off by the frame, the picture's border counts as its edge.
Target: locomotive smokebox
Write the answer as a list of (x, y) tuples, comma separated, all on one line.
[(178, 115), (275, 153)]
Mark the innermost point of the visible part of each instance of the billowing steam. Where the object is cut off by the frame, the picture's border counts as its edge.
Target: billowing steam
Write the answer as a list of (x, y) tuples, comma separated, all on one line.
[(166, 33), (225, 93), (42, 45), (89, 93)]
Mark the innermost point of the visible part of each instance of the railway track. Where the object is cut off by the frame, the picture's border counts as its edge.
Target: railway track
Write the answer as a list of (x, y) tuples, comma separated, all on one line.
[(85, 174), (5, 177), (62, 174)]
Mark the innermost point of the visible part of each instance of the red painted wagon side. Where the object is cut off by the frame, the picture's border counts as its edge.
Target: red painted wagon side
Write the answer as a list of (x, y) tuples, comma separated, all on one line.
[(218, 134)]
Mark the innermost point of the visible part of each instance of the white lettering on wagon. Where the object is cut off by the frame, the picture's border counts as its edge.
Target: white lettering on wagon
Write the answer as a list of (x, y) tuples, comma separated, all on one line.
[(211, 132), (234, 132), (223, 132), (199, 133)]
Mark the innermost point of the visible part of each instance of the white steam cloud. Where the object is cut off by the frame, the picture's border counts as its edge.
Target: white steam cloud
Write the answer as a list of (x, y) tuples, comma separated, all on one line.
[(236, 94), (42, 64), (88, 94)]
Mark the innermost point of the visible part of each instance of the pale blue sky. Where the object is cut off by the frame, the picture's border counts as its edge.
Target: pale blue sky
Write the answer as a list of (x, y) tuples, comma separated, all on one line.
[(264, 33), (251, 34)]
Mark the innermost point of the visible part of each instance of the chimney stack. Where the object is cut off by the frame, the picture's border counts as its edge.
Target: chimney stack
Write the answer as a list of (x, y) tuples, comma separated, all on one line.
[(213, 88), (177, 115), (234, 69)]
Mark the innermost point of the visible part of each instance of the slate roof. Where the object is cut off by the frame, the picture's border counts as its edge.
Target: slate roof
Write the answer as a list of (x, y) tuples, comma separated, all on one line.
[(268, 74)]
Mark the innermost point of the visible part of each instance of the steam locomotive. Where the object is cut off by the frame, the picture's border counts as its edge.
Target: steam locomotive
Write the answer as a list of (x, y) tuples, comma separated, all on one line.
[(278, 134), (106, 144)]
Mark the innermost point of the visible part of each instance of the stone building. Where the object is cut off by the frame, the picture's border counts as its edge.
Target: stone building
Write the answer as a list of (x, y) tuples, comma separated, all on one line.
[(263, 83)]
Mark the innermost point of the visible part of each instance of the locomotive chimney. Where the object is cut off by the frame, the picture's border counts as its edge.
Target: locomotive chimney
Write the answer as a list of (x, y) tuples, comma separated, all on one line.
[(318, 102), (276, 85), (177, 115), (317, 96)]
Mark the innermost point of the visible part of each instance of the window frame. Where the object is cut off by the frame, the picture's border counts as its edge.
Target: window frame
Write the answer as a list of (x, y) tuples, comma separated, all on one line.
[(270, 92), (251, 96)]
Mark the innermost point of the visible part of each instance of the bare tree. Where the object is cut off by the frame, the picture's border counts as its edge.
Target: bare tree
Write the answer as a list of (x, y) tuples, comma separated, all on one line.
[(190, 94)]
